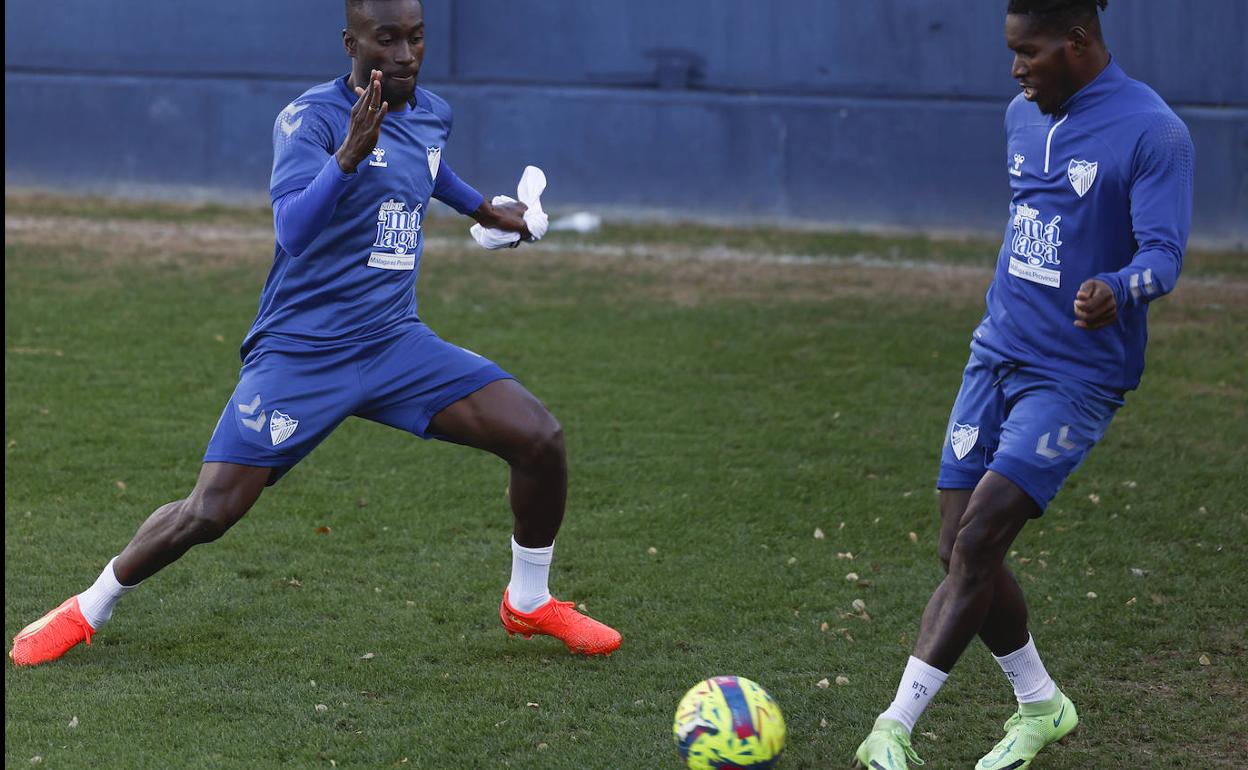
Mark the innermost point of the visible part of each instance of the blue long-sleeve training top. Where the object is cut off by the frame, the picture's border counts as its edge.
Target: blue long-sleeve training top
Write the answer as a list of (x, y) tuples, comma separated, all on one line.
[(1101, 189), (349, 244)]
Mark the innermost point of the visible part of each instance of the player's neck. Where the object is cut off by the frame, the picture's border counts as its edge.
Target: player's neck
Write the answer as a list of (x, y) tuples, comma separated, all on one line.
[(1097, 61)]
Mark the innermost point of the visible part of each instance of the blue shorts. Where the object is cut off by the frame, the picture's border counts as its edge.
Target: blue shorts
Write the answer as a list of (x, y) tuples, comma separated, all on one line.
[(291, 397), (1029, 427)]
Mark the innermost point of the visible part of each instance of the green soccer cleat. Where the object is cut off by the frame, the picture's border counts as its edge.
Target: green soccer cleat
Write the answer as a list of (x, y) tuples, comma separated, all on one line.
[(886, 748), (1033, 726)]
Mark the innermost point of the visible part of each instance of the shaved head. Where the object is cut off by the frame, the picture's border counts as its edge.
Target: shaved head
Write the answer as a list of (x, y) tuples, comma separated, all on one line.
[(356, 12)]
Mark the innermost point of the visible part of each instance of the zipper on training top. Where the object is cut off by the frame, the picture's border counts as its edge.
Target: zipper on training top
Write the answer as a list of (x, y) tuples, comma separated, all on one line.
[(1049, 142)]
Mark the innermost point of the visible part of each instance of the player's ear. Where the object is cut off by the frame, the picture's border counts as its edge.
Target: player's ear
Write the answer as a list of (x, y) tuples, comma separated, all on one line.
[(348, 42), (1077, 40)]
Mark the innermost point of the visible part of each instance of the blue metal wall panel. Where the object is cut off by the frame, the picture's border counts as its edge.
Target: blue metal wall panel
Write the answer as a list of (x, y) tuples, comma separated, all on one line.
[(1191, 53), (800, 45), (141, 130), (851, 161), (846, 161), (867, 114), (271, 39)]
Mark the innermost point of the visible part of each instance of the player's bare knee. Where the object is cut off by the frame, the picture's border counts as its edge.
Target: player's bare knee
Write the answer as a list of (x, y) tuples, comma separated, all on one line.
[(970, 573), (187, 523), (208, 514), (973, 558), (195, 523), (543, 445)]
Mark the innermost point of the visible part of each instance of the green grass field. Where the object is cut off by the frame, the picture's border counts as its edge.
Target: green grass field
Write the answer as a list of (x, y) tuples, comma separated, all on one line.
[(718, 409)]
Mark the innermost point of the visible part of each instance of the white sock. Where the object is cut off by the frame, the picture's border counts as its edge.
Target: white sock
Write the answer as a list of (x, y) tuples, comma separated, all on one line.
[(530, 571), (97, 601), (1025, 671), (919, 684)]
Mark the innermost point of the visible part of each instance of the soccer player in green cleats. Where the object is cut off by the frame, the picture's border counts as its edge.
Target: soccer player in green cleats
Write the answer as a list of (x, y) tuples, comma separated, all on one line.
[(1053, 357), (1033, 726), (886, 748)]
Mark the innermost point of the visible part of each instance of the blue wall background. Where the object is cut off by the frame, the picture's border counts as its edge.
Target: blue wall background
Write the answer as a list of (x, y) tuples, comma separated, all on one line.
[(864, 114)]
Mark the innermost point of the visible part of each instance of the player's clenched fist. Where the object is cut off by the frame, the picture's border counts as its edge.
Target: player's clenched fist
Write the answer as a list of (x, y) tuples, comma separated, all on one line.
[(365, 125), (1095, 305), (508, 217)]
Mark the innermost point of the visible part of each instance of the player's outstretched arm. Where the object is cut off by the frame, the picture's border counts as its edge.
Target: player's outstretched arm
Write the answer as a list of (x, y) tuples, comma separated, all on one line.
[(365, 125)]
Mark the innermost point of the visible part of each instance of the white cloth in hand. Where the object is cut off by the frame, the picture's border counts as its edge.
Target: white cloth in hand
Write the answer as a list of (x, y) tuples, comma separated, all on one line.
[(529, 191)]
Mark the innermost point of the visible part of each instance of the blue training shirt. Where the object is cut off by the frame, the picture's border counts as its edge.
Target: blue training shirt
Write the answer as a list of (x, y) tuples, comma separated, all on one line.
[(1103, 189), (356, 254)]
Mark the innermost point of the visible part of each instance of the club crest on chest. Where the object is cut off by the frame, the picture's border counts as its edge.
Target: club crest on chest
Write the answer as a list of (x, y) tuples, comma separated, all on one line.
[(435, 160), (1081, 174)]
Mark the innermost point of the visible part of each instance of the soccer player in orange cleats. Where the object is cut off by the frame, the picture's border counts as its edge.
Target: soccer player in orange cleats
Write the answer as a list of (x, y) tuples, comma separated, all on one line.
[(337, 336), (581, 633), (52, 635)]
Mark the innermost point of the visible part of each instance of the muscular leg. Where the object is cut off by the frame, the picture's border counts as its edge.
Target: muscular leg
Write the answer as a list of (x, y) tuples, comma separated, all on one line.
[(1005, 627), (223, 493), (957, 611), (507, 420)]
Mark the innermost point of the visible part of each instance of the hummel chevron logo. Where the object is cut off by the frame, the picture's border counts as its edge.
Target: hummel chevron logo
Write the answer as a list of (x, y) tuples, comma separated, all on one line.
[(250, 409), (255, 423), (1044, 450), (288, 126)]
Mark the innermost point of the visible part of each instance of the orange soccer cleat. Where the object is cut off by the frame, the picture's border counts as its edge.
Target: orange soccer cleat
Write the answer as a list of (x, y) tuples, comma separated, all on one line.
[(582, 634), (52, 635)]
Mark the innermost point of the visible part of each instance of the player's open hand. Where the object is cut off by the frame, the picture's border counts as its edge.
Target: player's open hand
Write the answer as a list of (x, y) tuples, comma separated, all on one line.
[(365, 125), (1095, 305)]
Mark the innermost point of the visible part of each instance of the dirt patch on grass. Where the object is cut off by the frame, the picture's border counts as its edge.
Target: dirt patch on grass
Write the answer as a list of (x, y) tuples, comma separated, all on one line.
[(688, 277), (680, 273), (139, 243)]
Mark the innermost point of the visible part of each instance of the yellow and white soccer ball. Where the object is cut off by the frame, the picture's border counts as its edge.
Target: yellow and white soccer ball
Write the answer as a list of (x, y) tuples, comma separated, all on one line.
[(728, 722)]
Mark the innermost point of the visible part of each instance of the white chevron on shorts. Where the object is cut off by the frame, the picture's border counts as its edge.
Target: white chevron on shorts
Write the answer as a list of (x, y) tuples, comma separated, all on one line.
[(250, 409), (1044, 450)]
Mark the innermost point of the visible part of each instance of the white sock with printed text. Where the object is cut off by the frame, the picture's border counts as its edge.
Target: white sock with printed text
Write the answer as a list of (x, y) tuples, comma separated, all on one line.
[(919, 684), (97, 601), (530, 573), (1025, 671)]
